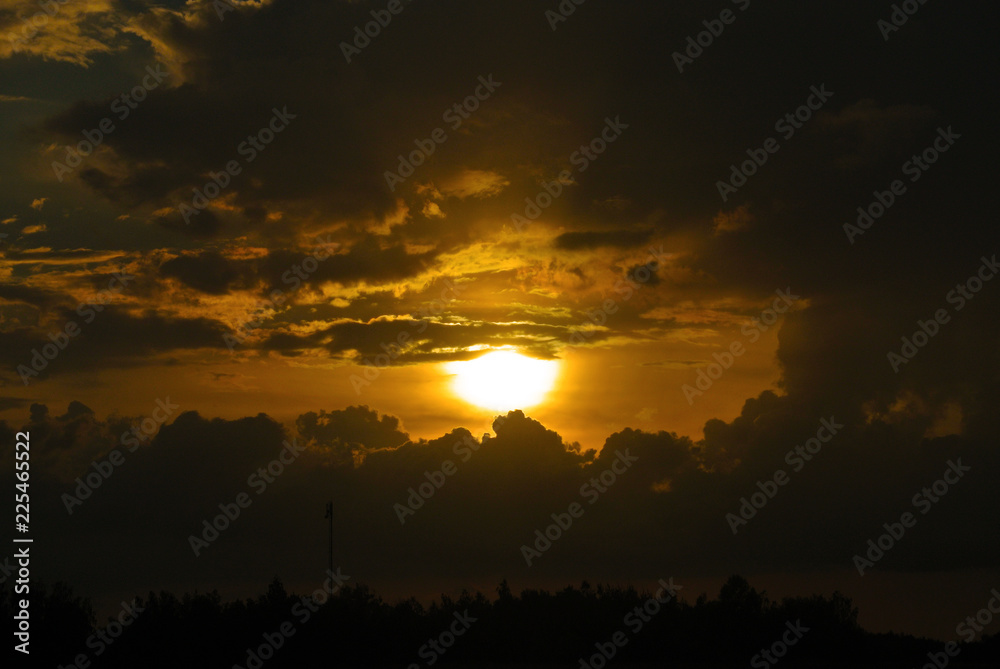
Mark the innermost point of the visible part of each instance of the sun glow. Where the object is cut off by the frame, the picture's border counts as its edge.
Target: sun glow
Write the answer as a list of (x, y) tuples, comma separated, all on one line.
[(503, 380)]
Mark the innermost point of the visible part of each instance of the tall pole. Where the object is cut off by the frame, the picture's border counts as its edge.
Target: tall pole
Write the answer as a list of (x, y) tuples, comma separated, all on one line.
[(329, 515)]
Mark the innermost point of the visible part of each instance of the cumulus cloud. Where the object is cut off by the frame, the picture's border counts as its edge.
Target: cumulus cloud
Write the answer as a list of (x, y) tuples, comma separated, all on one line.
[(641, 493)]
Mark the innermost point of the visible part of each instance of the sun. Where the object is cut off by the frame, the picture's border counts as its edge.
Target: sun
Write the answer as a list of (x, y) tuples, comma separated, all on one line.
[(503, 380)]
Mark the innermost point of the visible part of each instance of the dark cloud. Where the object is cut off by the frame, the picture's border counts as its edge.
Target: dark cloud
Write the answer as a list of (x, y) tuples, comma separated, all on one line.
[(208, 272), (12, 403), (367, 260), (350, 431), (412, 341), (644, 274), (502, 488), (33, 296), (106, 335), (286, 269), (588, 240)]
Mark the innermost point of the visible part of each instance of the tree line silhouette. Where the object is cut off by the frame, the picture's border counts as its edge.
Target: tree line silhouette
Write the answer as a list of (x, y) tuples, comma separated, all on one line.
[(355, 628)]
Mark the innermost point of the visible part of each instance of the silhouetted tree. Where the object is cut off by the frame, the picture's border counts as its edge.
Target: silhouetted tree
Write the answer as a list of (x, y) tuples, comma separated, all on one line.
[(356, 628)]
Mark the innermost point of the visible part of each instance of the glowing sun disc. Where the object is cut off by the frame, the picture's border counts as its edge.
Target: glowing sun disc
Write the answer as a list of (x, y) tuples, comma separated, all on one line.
[(503, 380)]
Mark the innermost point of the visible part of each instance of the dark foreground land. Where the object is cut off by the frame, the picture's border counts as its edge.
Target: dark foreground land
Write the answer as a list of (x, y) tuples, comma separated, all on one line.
[(788, 662), (580, 628), (667, 663)]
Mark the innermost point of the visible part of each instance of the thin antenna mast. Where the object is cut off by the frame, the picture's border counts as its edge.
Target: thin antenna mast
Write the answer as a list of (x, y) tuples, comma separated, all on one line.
[(329, 515)]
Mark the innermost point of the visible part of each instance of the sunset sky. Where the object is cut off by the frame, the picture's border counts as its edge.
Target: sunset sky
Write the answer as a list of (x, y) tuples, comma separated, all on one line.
[(293, 230)]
